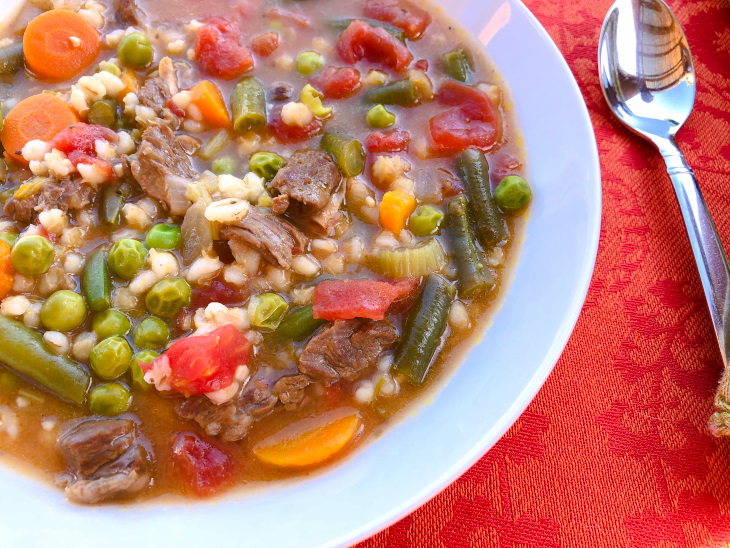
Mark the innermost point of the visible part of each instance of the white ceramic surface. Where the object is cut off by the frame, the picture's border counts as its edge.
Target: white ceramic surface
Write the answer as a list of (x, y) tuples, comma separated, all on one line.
[(424, 452)]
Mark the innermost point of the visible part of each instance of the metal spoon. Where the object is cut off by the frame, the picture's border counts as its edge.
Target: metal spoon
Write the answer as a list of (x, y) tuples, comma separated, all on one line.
[(648, 79)]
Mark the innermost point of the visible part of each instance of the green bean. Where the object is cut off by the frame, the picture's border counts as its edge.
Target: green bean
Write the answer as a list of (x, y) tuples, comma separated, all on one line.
[(512, 194), (266, 164), (9, 382), (347, 152), (215, 145), (112, 200), (342, 24), (23, 350), (403, 92), (11, 58), (474, 171), (109, 399), (474, 277), (97, 283), (424, 329), (298, 324), (65, 310), (103, 113), (457, 64), (248, 103)]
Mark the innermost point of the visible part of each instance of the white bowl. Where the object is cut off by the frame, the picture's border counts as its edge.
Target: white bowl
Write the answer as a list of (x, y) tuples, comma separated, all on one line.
[(425, 451)]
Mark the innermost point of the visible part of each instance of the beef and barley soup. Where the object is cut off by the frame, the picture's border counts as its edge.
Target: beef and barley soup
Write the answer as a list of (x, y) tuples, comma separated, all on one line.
[(238, 236)]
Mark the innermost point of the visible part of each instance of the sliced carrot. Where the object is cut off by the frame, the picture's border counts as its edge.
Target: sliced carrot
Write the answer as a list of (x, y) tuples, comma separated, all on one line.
[(130, 81), (395, 209), (310, 441), (209, 100), (59, 44), (6, 270), (39, 116)]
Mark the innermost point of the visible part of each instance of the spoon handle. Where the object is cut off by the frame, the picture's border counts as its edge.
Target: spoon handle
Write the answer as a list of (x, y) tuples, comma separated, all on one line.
[(709, 254)]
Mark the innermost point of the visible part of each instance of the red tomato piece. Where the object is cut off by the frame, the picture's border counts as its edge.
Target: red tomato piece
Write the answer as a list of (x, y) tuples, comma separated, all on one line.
[(203, 466), (348, 299), (204, 363), (360, 40), (473, 102), (339, 82), (404, 15), (453, 131), (391, 141), (294, 134), (422, 64), (80, 138), (216, 292), (219, 52), (265, 44)]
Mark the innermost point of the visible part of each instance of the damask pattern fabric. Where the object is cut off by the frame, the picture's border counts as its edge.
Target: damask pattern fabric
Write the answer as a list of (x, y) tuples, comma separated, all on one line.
[(614, 451)]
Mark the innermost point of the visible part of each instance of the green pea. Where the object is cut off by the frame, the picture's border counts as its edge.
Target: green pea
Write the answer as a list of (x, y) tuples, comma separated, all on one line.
[(113, 69), (269, 310), (225, 165), (145, 356), (512, 194), (63, 311), (151, 333), (163, 236), (426, 221), (32, 255), (109, 399), (266, 164), (111, 358), (309, 62), (103, 113), (135, 50), (9, 238), (109, 323), (378, 117), (126, 257), (167, 297)]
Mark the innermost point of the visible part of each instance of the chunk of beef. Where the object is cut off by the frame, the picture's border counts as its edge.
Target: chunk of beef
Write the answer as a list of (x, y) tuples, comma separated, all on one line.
[(291, 390), (66, 195), (231, 421), (304, 185), (347, 349), (276, 239), (129, 12), (157, 91), (326, 221), (281, 92), (163, 169), (105, 460)]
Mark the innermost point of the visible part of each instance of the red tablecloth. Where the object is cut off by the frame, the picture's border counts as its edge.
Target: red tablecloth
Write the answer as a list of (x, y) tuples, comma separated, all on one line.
[(614, 450)]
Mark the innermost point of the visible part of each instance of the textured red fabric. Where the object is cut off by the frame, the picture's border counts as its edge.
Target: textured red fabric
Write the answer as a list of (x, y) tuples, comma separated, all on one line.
[(614, 451)]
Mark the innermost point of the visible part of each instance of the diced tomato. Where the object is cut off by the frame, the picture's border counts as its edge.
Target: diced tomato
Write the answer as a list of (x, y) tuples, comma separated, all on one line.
[(360, 40), (422, 64), (294, 134), (473, 102), (334, 394), (339, 82), (216, 292), (265, 44), (453, 131), (348, 299), (203, 466), (203, 363), (176, 110), (399, 13), (219, 52), (47, 235), (289, 18), (80, 138), (391, 141)]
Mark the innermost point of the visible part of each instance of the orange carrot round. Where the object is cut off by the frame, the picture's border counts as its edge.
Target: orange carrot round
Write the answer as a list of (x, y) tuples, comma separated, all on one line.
[(395, 208), (209, 100), (6, 270), (39, 116), (59, 44)]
